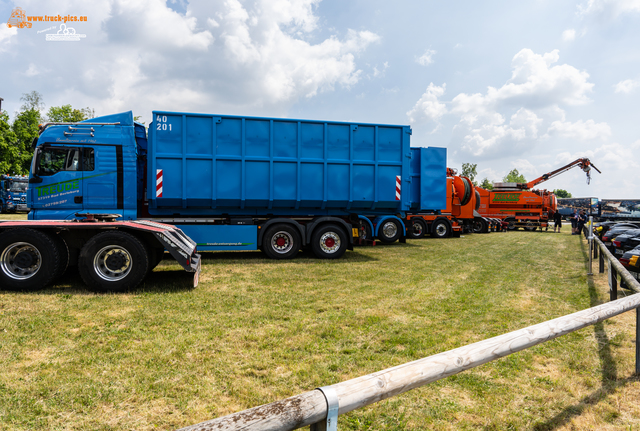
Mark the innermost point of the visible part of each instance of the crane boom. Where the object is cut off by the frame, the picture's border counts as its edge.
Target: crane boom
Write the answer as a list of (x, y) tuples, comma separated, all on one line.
[(584, 164)]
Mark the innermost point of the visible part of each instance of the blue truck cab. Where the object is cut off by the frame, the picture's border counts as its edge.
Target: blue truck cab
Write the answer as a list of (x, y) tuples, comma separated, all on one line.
[(13, 194), (230, 182)]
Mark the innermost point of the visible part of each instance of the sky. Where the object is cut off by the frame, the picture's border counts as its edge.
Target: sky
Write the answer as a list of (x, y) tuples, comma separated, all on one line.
[(530, 85)]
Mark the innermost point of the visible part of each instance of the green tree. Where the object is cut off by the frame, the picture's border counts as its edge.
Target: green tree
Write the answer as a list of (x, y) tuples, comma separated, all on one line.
[(561, 193), (25, 128), (67, 114), (486, 184), (469, 171), (9, 150), (32, 102), (514, 177)]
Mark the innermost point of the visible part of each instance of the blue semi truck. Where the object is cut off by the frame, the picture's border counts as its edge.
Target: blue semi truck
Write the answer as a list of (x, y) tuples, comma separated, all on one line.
[(229, 183), (13, 194)]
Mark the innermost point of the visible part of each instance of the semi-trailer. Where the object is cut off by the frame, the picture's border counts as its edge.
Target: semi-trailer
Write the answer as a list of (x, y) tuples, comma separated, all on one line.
[(13, 193), (228, 182)]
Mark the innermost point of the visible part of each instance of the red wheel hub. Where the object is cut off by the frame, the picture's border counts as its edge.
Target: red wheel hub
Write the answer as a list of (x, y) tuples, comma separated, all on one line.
[(330, 242), (280, 242)]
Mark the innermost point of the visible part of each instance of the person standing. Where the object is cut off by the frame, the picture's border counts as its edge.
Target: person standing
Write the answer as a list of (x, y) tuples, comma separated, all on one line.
[(574, 222), (582, 220), (557, 221)]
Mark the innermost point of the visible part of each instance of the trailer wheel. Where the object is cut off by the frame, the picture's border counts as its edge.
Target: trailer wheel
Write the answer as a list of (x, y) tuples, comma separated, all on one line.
[(479, 225), (281, 241), (156, 255), (441, 228), (512, 223), (29, 259), (329, 242), (390, 231), (113, 261), (530, 227), (63, 251), (418, 228), (364, 231)]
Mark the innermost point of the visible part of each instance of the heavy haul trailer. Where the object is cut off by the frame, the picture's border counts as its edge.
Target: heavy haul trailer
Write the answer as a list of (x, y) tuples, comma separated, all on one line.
[(229, 182), (110, 255), (442, 203)]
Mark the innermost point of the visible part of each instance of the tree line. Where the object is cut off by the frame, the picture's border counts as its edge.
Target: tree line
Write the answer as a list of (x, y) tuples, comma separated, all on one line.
[(469, 170), (16, 137)]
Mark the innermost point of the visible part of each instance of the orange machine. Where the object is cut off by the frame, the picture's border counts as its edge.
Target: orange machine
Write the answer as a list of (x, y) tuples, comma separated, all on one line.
[(456, 218), (521, 207)]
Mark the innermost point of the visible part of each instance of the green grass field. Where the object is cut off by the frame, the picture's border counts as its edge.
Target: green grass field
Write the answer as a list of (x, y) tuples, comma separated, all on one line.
[(256, 330)]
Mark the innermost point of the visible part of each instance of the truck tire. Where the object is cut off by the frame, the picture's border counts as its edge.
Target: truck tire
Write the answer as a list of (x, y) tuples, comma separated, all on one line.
[(479, 225), (63, 251), (441, 229), (364, 231), (417, 229), (281, 241), (156, 255), (113, 261), (29, 259), (390, 231), (329, 242), (512, 223), (530, 227)]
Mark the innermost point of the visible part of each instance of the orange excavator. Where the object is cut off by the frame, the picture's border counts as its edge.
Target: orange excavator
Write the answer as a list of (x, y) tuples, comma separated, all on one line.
[(519, 206)]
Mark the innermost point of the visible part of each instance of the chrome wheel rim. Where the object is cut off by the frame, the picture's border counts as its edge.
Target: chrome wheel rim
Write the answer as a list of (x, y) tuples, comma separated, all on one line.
[(389, 229), (112, 263), (441, 229), (417, 228), (282, 242), (21, 261), (330, 242)]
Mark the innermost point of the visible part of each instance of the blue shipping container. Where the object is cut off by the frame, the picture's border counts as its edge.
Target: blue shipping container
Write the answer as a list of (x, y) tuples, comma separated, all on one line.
[(211, 165)]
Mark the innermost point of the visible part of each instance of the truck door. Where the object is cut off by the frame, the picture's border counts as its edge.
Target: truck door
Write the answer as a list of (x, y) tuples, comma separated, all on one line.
[(60, 169), (100, 183)]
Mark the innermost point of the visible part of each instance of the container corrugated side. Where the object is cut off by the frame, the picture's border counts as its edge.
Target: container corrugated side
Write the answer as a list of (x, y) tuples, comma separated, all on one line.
[(210, 164)]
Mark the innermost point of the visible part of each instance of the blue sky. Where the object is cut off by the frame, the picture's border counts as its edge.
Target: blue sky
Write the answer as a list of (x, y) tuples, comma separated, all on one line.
[(530, 85)]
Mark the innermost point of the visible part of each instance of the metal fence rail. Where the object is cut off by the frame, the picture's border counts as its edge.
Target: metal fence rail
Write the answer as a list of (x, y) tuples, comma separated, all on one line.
[(320, 408)]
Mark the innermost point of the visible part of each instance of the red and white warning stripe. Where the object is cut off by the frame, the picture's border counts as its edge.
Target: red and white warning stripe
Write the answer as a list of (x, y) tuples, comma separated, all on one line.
[(398, 187), (158, 183)]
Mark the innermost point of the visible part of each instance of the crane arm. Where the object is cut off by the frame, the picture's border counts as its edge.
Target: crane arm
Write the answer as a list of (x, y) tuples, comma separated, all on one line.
[(584, 164)]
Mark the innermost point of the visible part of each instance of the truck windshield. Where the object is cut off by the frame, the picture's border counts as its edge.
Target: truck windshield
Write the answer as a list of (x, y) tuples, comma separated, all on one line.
[(18, 187)]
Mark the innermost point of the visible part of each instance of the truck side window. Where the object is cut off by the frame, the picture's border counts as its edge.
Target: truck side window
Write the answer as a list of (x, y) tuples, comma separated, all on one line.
[(88, 159), (54, 160)]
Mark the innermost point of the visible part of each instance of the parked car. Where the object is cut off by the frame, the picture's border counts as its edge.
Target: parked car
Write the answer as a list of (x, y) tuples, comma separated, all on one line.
[(624, 242), (631, 260), (603, 227), (614, 232)]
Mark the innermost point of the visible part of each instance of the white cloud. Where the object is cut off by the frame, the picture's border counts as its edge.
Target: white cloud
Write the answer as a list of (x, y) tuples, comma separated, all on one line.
[(568, 35), (6, 35), (526, 168), (580, 130), (627, 86), (380, 73), (493, 137), (226, 56), (613, 7), (428, 108), (426, 58)]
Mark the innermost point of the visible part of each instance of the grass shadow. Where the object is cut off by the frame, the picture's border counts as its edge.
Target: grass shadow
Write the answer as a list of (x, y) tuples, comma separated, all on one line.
[(305, 257), (609, 379)]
